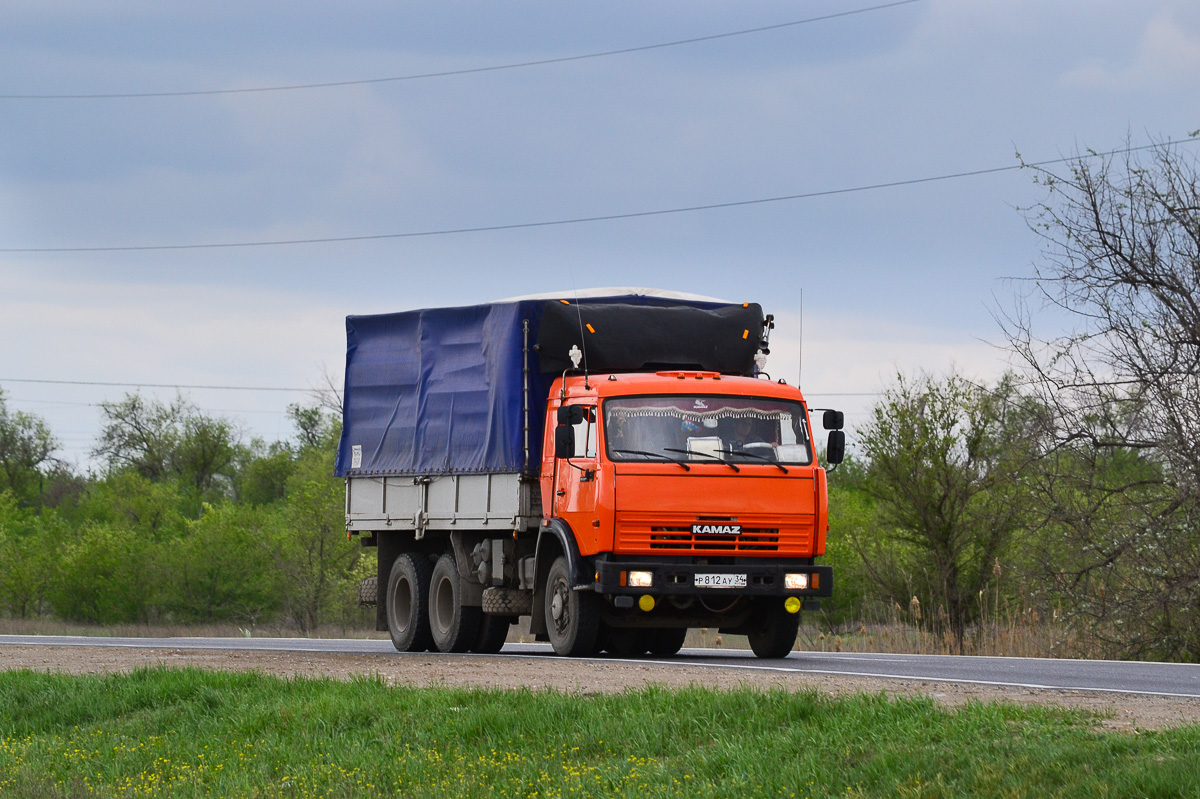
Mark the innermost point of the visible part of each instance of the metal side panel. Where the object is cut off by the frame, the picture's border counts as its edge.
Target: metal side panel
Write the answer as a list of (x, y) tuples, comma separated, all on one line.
[(442, 502)]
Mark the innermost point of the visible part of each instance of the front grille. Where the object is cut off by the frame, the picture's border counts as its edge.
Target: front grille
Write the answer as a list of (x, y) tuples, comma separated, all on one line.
[(653, 533), (759, 539)]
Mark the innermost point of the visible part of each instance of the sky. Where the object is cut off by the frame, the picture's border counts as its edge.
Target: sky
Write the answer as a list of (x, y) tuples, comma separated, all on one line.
[(865, 283)]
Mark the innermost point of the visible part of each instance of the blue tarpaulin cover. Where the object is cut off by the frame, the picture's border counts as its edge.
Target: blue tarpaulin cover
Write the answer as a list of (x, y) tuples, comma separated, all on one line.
[(442, 390)]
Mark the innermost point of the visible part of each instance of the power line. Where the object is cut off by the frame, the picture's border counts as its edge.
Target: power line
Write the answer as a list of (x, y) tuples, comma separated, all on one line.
[(58, 404), (152, 385), (272, 388), (454, 72), (589, 219)]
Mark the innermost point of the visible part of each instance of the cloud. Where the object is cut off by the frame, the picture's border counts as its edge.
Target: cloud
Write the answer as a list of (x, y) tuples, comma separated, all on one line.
[(164, 333), (848, 361), (103, 332), (1167, 57)]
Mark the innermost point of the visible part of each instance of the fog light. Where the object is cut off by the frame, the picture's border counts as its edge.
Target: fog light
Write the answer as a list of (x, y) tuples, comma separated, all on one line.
[(795, 582), (646, 602), (641, 579), (791, 605)]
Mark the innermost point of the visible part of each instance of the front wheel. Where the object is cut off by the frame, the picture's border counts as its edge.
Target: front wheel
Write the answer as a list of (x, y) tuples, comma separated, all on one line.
[(667, 641), (455, 626), (572, 618), (627, 642), (408, 603), (775, 635)]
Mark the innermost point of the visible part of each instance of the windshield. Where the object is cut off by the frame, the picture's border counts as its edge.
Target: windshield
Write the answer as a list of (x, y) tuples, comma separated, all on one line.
[(706, 429)]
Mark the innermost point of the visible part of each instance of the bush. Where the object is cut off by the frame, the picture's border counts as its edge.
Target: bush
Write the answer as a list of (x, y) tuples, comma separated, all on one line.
[(222, 569), (105, 577)]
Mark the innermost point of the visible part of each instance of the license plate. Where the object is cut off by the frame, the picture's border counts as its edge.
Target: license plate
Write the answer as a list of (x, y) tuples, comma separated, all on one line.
[(720, 581)]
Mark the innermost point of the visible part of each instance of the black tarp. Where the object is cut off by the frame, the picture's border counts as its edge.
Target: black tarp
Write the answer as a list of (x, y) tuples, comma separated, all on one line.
[(619, 337)]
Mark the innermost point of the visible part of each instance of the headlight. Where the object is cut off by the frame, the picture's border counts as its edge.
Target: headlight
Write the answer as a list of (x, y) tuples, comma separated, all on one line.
[(641, 579), (795, 582)]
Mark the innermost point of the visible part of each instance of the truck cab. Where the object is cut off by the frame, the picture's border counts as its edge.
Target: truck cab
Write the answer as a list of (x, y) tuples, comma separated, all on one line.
[(693, 499)]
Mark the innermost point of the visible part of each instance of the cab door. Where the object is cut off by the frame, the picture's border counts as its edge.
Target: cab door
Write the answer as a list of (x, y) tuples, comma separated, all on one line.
[(575, 477)]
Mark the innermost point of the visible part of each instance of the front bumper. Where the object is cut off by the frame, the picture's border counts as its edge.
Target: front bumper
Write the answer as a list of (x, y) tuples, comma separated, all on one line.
[(672, 578)]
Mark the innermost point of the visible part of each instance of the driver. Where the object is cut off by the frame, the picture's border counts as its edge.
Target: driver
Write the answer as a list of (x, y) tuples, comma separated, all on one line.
[(742, 431)]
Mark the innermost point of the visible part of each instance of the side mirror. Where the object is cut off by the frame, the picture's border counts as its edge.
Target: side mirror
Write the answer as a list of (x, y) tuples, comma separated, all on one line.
[(570, 414), (833, 420), (835, 449), (564, 439)]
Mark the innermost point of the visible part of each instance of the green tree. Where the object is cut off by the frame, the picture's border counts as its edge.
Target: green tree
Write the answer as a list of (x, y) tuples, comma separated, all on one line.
[(170, 441), (26, 450), (1121, 264), (853, 521), (222, 568), (261, 472), (316, 561), (316, 427), (106, 576), (154, 510), (945, 459), (27, 556)]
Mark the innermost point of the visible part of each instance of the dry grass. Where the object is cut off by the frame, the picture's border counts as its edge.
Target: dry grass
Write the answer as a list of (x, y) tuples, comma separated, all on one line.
[(1023, 637), (50, 626), (1012, 639)]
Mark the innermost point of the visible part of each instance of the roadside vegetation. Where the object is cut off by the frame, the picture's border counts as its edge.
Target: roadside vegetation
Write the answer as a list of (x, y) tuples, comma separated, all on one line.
[(189, 733), (183, 523), (1053, 512)]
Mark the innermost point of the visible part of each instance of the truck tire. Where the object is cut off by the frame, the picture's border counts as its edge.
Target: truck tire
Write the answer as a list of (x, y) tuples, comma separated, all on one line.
[(572, 618), (493, 632), (507, 601), (601, 638), (667, 641), (368, 590), (408, 603), (775, 636), (627, 642), (454, 626)]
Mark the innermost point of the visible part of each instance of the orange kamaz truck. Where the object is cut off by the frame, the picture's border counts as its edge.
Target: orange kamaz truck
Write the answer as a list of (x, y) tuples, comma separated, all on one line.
[(619, 468)]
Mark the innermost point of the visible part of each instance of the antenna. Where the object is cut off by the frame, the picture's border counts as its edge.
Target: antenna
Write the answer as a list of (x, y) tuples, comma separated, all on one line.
[(800, 367), (582, 339)]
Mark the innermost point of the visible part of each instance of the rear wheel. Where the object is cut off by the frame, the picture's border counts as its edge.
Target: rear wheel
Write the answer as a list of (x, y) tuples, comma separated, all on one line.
[(666, 641), (493, 632), (572, 618), (775, 636), (455, 626), (628, 642), (408, 603)]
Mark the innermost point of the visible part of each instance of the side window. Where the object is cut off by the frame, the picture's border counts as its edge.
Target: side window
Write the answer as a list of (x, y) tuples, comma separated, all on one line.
[(585, 434)]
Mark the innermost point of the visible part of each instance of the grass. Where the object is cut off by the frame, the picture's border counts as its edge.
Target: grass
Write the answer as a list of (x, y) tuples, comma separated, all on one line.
[(190, 733)]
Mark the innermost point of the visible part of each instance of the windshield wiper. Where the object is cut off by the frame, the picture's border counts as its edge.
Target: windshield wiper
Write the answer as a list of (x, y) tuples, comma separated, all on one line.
[(742, 452), (668, 458), (705, 454)]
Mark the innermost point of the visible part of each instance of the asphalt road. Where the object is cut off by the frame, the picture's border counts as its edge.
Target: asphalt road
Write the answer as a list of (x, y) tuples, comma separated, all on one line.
[(1154, 679)]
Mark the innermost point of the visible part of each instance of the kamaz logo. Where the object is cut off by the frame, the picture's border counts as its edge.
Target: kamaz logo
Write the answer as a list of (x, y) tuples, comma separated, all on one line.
[(716, 529)]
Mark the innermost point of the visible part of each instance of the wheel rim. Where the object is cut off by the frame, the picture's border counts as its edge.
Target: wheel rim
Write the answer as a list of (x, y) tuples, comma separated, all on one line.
[(400, 606), (560, 610), (443, 605)]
